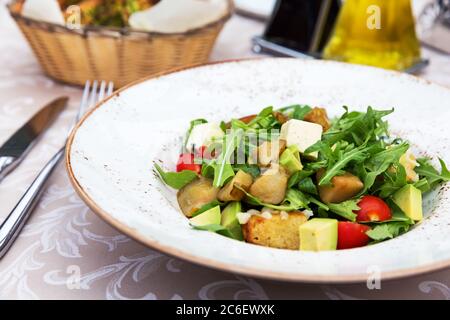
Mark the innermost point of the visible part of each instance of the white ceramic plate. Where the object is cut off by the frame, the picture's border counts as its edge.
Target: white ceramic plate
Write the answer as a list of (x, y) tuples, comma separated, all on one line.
[(110, 156)]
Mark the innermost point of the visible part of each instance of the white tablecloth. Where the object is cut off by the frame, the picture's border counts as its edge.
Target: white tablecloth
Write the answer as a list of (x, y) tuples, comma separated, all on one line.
[(66, 252)]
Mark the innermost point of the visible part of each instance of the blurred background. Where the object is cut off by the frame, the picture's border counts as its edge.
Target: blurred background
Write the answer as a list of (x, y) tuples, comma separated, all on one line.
[(124, 40)]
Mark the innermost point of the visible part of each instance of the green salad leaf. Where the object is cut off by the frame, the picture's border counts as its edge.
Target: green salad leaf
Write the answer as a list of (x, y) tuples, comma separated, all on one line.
[(300, 111), (307, 185), (358, 127), (339, 159), (379, 163), (296, 111), (176, 180), (432, 176), (345, 209), (388, 230), (298, 176), (223, 169), (393, 181)]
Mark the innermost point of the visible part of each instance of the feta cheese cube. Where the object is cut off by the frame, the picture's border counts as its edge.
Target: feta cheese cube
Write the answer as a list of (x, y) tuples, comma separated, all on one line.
[(204, 134), (303, 134)]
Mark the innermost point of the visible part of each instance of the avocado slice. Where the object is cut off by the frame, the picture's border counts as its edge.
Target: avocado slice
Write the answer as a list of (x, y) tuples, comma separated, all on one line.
[(290, 159), (409, 199), (319, 234), (230, 221), (211, 216)]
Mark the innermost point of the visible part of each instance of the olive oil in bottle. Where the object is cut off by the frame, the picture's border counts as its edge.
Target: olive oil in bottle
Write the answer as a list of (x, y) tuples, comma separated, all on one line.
[(375, 32)]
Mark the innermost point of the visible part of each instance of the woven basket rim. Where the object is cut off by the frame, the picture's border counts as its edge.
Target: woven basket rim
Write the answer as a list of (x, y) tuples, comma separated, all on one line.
[(116, 32)]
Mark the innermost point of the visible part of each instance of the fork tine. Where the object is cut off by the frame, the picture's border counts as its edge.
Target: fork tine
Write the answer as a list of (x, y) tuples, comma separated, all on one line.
[(84, 100), (93, 94), (101, 91), (110, 88)]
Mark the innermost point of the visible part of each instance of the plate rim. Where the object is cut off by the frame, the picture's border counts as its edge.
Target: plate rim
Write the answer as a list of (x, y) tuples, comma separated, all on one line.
[(223, 266)]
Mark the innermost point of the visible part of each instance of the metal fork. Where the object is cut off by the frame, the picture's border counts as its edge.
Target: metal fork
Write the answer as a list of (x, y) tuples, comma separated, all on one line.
[(11, 227)]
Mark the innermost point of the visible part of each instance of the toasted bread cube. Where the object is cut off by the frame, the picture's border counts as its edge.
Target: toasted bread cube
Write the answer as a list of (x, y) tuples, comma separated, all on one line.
[(276, 232)]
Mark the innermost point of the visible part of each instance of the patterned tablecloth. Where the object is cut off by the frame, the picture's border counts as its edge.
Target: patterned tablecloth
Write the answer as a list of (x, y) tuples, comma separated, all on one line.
[(67, 252)]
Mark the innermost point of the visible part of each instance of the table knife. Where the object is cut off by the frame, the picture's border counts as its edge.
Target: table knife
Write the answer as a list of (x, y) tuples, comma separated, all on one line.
[(13, 151)]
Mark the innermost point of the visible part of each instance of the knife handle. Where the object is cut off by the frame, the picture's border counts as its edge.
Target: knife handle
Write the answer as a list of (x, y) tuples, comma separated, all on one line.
[(16, 219), (7, 164)]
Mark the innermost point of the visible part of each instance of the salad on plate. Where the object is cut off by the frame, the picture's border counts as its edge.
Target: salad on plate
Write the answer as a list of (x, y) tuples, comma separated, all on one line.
[(291, 178)]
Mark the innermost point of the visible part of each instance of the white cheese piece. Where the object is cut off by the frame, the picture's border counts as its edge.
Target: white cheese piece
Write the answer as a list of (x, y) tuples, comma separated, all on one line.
[(266, 215), (408, 161), (243, 217), (308, 213), (303, 134), (203, 135), (43, 10), (284, 215), (171, 16)]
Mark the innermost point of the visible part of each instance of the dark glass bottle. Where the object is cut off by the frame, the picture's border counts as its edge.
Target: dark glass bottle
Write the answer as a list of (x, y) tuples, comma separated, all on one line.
[(302, 25)]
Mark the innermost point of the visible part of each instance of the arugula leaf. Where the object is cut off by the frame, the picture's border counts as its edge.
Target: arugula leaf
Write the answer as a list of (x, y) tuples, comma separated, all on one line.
[(358, 127), (433, 177), (298, 176), (208, 170), (176, 180), (307, 185), (423, 185), (345, 209), (388, 230), (343, 157), (296, 111), (264, 120), (300, 111), (222, 173), (393, 181), (380, 162), (191, 126), (222, 167)]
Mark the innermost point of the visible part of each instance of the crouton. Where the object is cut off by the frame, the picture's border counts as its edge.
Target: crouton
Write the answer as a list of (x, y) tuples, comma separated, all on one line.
[(280, 231), (319, 116)]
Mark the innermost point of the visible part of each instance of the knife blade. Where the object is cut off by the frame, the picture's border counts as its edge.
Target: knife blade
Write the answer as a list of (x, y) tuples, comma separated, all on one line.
[(20, 143)]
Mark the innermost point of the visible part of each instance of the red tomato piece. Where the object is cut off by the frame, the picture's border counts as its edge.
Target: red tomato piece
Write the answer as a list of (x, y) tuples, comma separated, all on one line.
[(373, 209), (352, 235), (186, 162)]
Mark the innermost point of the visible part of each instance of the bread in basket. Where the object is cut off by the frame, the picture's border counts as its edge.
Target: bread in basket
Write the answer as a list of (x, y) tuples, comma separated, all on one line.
[(115, 54)]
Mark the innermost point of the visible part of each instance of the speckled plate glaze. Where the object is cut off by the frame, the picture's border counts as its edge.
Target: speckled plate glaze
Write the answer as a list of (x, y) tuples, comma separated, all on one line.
[(111, 151)]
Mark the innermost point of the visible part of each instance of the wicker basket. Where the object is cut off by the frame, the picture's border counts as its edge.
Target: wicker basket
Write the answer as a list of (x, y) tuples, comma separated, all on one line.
[(119, 55)]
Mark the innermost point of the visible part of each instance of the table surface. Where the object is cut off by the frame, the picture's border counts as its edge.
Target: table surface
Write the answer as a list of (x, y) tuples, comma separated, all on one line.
[(67, 252)]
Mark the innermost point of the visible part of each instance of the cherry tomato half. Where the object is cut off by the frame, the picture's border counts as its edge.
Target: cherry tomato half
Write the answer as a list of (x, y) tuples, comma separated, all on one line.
[(373, 209), (186, 162), (352, 235)]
